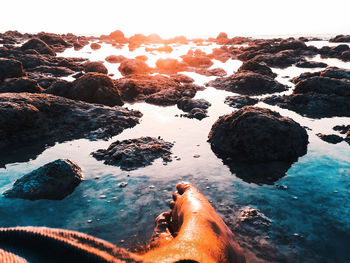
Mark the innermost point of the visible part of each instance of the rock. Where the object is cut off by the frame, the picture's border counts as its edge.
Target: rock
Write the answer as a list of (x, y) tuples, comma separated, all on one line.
[(133, 66), (342, 128), (20, 85), (93, 88), (142, 57), (115, 59), (256, 67), (156, 89), (182, 78), (170, 66), (118, 36), (95, 46), (218, 72), (222, 38), (248, 83), (38, 45), (187, 104), (310, 64), (254, 134), (291, 45), (39, 120), (196, 113), (53, 70), (10, 68), (335, 73), (340, 38), (281, 59), (332, 138), (53, 181), (165, 48), (59, 87), (134, 153), (52, 39), (197, 59), (341, 52), (240, 101), (95, 67)]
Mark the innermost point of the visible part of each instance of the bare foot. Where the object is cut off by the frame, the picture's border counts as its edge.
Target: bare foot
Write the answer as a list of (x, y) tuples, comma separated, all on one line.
[(192, 231)]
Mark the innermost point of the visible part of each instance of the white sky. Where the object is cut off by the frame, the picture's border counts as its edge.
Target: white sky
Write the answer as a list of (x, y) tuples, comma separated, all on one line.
[(178, 17)]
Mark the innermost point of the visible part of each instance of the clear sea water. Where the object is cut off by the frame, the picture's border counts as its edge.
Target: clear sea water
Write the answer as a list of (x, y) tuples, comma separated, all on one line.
[(310, 219)]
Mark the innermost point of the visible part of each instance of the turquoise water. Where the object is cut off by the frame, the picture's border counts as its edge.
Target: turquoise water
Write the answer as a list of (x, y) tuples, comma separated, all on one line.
[(310, 219)]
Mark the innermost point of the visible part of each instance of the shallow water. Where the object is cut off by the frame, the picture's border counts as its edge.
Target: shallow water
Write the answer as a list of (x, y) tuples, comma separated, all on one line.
[(310, 219)]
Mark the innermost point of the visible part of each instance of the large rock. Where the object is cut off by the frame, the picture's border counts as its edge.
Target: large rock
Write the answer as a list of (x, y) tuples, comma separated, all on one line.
[(28, 120), (254, 134), (20, 85), (97, 67), (133, 66), (115, 59), (53, 181), (38, 45), (134, 153), (10, 68), (93, 88), (118, 36), (248, 83), (170, 65), (256, 67), (340, 38), (196, 108)]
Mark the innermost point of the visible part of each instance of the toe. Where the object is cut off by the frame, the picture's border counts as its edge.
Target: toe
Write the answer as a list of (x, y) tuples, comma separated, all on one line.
[(172, 205), (175, 195), (183, 186)]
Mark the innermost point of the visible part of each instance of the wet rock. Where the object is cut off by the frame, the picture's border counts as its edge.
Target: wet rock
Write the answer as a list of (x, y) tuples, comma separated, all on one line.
[(320, 94), (258, 134), (59, 87), (142, 57), (93, 88), (218, 72), (341, 52), (115, 59), (291, 45), (197, 59), (134, 153), (331, 138), (170, 66), (248, 83), (281, 59), (342, 128), (182, 78), (240, 101), (53, 181), (118, 36), (340, 38), (95, 46), (256, 67), (20, 85), (95, 67), (38, 120), (196, 108), (165, 48), (52, 39), (187, 104), (222, 38), (38, 45), (133, 66), (53, 70), (310, 64), (157, 89), (10, 68)]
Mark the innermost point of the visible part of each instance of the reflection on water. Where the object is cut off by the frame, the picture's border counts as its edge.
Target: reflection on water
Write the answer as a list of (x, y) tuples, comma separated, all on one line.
[(310, 214)]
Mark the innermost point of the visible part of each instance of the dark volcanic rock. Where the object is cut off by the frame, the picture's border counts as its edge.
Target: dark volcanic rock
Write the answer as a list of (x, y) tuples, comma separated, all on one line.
[(157, 89), (38, 45), (257, 68), (115, 59), (196, 108), (341, 52), (20, 85), (240, 101), (340, 38), (310, 64), (258, 134), (281, 59), (10, 68), (52, 181), (41, 119), (170, 66), (248, 83), (342, 128), (133, 66), (134, 153), (95, 67), (53, 70), (95, 88), (218, 72), (331, 138), (52, 39), (197, 59)]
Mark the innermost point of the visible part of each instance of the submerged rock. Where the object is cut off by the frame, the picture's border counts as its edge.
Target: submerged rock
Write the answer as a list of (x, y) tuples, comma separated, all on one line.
[(37, 120), (10, 68), (331, 138), (134, 153), (258, 134), (248, 83), (52, 181)]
